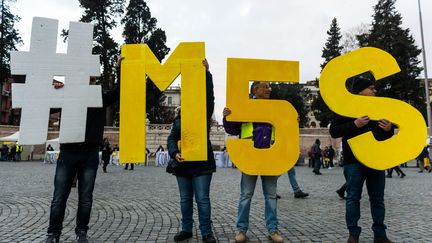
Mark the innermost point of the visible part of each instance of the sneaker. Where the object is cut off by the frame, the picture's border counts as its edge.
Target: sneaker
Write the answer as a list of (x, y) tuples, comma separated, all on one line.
[(341, 194), (240, 237), (275, 237), (300, 194), (353, 239), (82, 237), (209, 238), (52, 238), (182, 235), (382, 240)]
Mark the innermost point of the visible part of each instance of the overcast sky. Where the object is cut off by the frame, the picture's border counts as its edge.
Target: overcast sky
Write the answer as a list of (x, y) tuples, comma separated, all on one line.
[(273, 29)]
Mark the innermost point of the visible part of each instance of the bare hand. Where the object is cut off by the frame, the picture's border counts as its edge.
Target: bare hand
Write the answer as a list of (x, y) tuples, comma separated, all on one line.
[(361, 121), (179, 158), (57, 84), (226, 111), (385, 124), (205, 64)]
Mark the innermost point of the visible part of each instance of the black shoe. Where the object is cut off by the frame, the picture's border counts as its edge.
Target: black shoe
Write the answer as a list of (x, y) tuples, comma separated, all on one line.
[(403, 175), (182, 235), (74, 184), (278, 196), (318, 173), (382, 240), (300, 194), (104, 170), (82, 237), (341, 194), (51, 238), (209, 238)]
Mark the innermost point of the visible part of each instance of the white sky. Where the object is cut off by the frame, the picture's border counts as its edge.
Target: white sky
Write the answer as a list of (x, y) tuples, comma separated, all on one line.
[(273, 29)]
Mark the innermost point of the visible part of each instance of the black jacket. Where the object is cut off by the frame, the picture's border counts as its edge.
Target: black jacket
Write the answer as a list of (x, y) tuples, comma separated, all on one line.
[(344, 127), (195, 168), (95, 123)]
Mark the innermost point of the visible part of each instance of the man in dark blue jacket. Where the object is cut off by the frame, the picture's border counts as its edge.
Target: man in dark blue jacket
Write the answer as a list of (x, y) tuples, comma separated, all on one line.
[(356, 173), (194, 177)]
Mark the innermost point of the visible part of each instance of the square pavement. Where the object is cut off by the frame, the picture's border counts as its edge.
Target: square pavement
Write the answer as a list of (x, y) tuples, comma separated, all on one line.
[(143, 206)]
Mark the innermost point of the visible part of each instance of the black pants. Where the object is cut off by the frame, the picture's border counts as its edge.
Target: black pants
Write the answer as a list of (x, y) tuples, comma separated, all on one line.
[(84, 165), (397, 169), (131, 166)]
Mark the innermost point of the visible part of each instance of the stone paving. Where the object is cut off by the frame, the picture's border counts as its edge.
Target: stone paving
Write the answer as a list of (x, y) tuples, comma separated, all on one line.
[(143, 206)]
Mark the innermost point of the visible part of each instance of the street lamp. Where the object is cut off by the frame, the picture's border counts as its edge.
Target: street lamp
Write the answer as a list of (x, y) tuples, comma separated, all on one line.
[(428, 106)]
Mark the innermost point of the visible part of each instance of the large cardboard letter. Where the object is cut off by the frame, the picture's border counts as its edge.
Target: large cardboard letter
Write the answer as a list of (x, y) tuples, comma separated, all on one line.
[(140, 61), (380, 155), (281, 114)]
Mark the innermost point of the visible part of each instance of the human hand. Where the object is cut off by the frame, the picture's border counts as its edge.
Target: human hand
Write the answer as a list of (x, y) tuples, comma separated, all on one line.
[(179, 158), (205, 64), (226, 111), (385, 124), (361, 121), (57, 85)]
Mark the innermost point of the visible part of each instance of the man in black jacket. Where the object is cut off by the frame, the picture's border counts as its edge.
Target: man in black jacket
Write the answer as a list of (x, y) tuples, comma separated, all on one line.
[(82, 160), (356, 173)]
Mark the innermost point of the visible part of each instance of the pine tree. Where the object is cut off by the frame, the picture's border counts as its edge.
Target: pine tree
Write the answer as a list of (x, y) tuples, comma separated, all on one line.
[(386, 33), (101, 13), (331, 50), (294, 94), (140, 27), (9, 39)]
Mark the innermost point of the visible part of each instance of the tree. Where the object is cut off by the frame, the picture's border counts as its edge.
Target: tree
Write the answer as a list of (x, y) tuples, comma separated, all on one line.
[(9, 39), (102, 14), (349, 38), (140, 27), (386, 33), (332, 49), (295, 94)]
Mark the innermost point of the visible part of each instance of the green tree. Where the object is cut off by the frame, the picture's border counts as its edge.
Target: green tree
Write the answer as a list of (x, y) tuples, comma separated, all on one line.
[(387, 33), (295, 94), (332, 49), (140, 27), (102, 14), (9, 39)]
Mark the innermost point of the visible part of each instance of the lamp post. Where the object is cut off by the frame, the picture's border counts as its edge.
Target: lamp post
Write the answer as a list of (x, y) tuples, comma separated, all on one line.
[(428, 106)]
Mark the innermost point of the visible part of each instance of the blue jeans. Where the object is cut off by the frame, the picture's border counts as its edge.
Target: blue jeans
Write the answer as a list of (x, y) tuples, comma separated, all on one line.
[(247, 188), (84, 165), (356, 175), (200, 186), (292, 180)]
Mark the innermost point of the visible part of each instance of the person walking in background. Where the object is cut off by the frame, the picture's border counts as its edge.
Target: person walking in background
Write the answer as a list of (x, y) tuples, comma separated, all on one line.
[(298, 193), (106, 154), (331, 153), (316, 157), (424, 160), (398, 171), (356, 173), (194, 178)]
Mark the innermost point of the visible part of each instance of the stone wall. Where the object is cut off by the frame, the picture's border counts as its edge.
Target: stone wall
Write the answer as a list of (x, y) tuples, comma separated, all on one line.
[(157, 134)]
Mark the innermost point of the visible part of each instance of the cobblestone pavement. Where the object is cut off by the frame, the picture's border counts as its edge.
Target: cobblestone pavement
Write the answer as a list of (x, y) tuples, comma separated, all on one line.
[(143, 206)]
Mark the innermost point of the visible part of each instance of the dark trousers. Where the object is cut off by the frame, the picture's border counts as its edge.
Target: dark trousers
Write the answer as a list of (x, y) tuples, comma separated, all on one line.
[(356, 174), (397, 169), (106, 161), (131, 166), (317, 165), (84, 164)]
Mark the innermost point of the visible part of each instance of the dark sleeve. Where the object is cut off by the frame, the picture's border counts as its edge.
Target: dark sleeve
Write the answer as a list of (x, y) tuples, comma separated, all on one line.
[(209, 95), (173, 138), (381, 135), (342, 127), (233, 128), (111, 96)]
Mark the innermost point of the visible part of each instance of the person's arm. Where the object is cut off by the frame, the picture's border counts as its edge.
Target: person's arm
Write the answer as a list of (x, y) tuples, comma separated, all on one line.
[(209, 91), (173, 138), (342, 127), (233, 128)]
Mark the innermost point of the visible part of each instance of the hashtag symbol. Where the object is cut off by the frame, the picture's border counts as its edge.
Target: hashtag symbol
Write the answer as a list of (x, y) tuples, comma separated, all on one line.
[(36, 96)]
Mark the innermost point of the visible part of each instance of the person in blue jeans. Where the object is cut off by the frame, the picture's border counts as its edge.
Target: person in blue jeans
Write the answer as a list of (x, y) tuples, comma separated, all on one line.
[(79, 160), (356, 173), (193, 178), (261, 133)]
